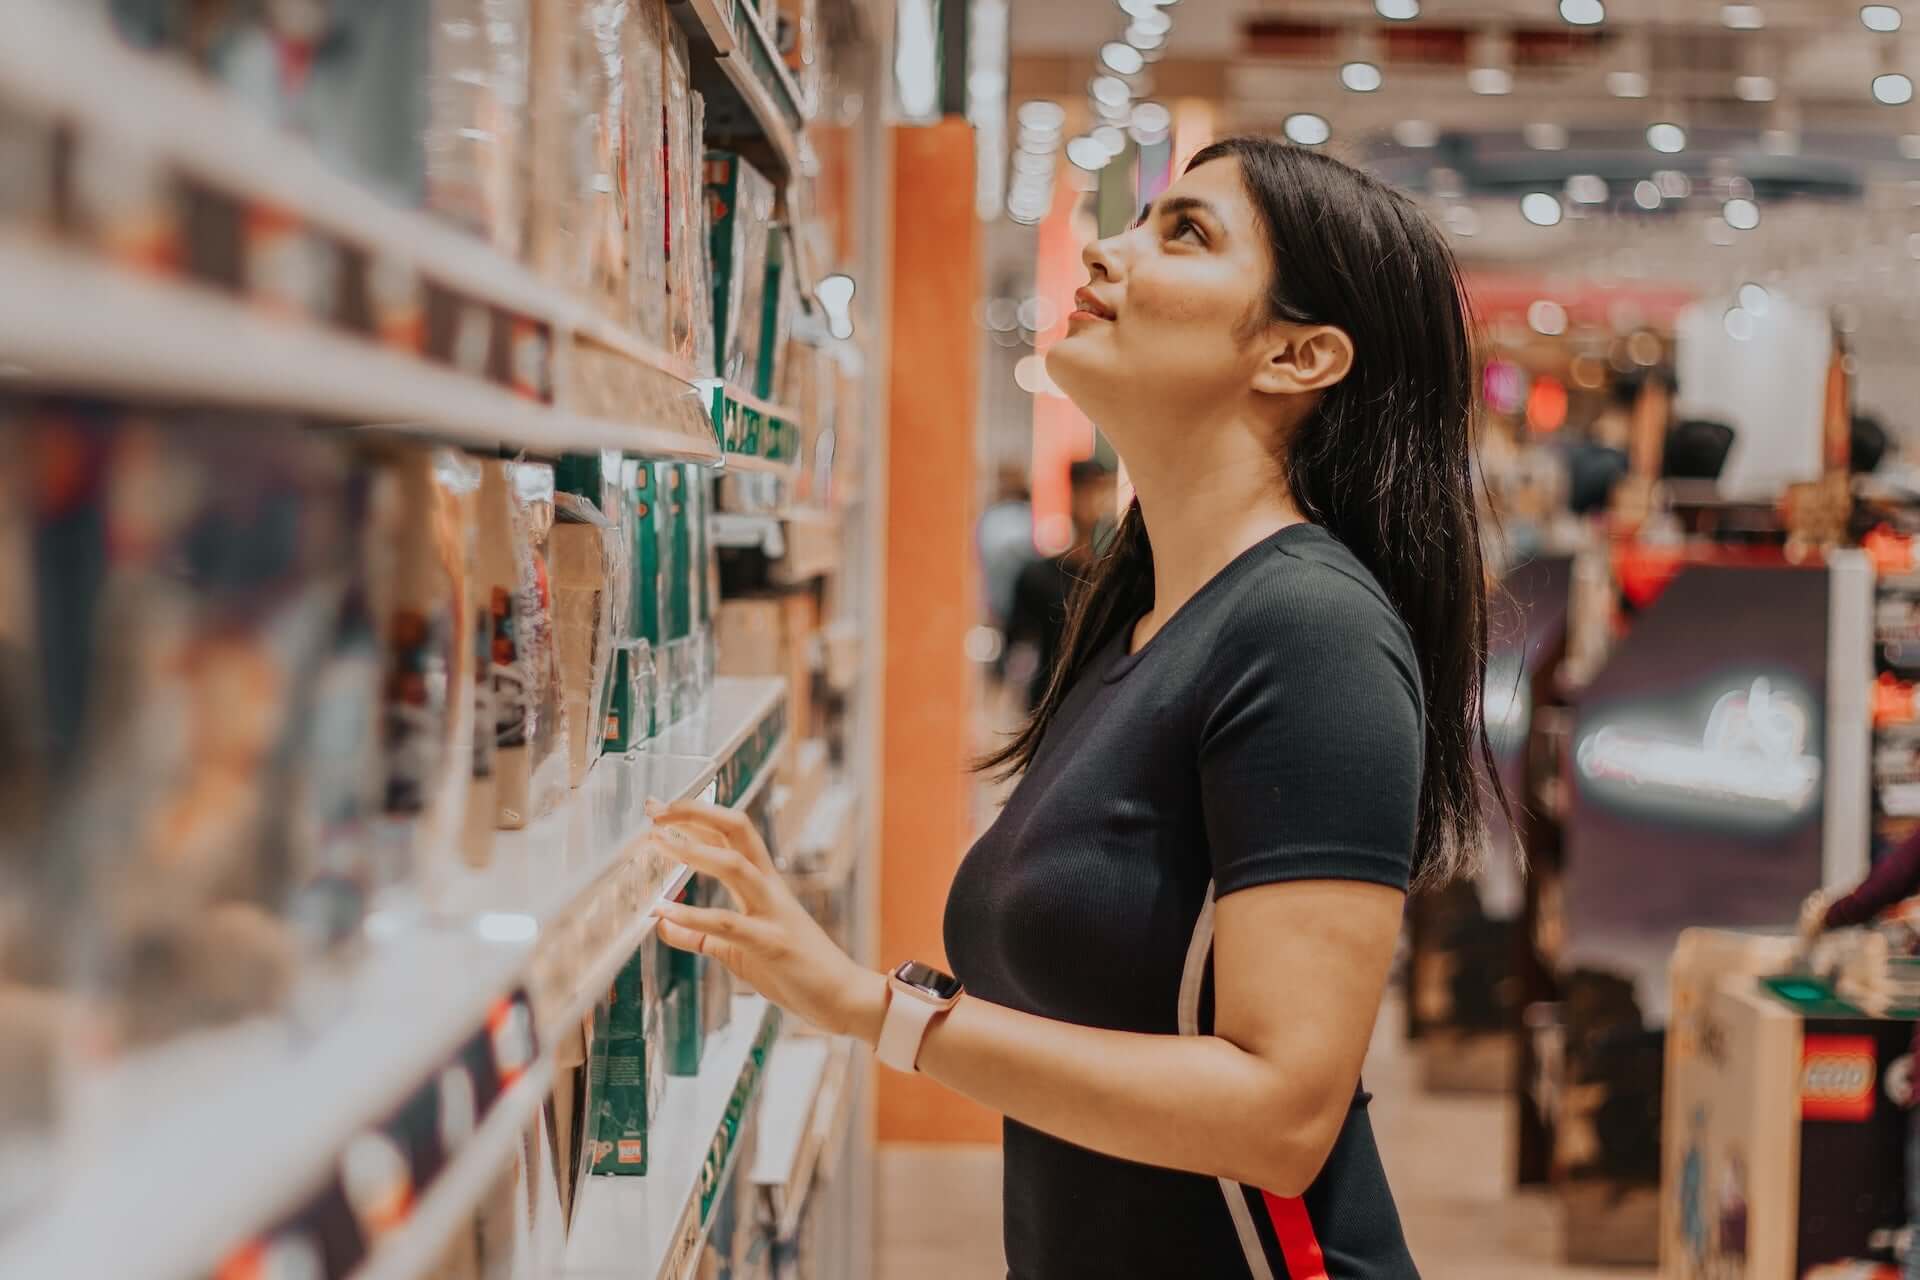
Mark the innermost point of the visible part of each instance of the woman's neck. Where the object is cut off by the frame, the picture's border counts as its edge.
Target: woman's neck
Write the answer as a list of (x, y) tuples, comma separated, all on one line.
[(1201, 513)]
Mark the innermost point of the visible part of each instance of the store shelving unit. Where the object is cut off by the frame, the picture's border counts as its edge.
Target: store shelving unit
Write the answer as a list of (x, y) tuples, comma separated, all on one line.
[(654, 1226), (803, 1123), (222, 1139), (68, 319)]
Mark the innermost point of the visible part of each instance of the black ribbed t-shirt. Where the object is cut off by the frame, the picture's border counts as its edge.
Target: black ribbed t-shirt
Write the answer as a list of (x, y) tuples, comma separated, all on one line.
[(1270, 731)]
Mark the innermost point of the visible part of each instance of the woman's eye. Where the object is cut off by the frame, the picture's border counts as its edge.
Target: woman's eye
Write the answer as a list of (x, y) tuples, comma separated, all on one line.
[(1188, 229)]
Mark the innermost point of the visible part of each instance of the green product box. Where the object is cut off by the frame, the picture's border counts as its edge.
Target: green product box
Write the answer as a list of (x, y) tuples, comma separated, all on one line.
[(778, 307), (618, 1080), (642, 489), (740, 202), (676, 550)]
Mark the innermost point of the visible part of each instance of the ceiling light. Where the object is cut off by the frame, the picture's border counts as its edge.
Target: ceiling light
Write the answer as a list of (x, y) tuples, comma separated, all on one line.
[(1032, 162), (1122, 58), (1397, 10), (1041, 115), (1463, 220), (1110, 137), (1152, 117), (1754, 299), (1741, 214), (1543, 135), (1718, 232), (1143, 40), (1307, 129), (1360, 77), (1742, 17), (1667, 138), (1416, 134), (1755, 88), (1547, 317), (1087, 153), (1627, 84), (1139, 8), (1739, 324), (1541, 209), (1155, 22), (1587, 188), (1673, 184), (1880, 17), (1493, 82), (1583, 13), (1893, 89), (1647, 195)]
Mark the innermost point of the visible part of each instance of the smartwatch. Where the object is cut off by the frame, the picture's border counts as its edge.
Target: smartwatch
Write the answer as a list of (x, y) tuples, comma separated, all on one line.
[(917, 994)]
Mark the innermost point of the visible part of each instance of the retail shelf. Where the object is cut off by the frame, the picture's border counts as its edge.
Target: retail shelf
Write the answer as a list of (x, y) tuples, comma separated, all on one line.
[(413, 1249), (802, 1114), (652, 1227), (743, 101), (73, 321), (190, 1150), (581, 880), (793, 103), (68, 319), (769, 534), (752, 462), (836, 654)]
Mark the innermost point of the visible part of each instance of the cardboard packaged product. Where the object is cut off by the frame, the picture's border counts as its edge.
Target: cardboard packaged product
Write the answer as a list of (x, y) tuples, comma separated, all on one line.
[(608, 228), (740, 204), (780, 305), (479, 141), (351, 77), (29, 156), (188, 576), (645, 64), (698, 235), (771, 636), (619, 1103), (682, 1025), (580, 566), (562, 124), (677, 82)]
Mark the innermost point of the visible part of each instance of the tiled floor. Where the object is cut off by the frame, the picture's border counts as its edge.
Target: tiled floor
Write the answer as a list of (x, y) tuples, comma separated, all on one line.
[(1447, 1158)]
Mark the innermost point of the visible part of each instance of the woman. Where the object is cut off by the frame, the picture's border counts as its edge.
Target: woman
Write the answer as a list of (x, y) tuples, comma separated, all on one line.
[(1262, 732)]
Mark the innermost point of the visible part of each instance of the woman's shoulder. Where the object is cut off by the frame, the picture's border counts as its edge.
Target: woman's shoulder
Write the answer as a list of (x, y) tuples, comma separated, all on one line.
[(1309, 581)]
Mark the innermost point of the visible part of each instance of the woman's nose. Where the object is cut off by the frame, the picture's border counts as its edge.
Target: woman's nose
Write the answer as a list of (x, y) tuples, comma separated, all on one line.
[(1102, 258)]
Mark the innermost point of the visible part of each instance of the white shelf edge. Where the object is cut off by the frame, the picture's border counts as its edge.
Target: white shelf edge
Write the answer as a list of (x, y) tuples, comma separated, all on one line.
[(828, 1132), (782, 72), (773, 122), (416, 1246), (718, 27), (610, 1210), (72, 320), (732, 461), (796, 1072)]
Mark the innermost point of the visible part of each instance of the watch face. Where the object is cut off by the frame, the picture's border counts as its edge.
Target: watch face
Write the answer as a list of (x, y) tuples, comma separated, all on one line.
[(942, 986)]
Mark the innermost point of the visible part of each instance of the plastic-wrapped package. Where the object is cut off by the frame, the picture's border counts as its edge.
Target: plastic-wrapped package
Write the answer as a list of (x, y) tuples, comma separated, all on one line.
[(608, 230), (562, 130), (681, 186), (478, 144), (421, 607), (740, 204), (580, 567), (646, 42), (623, 1065), (189, 571), (699, 233), (546, 732)]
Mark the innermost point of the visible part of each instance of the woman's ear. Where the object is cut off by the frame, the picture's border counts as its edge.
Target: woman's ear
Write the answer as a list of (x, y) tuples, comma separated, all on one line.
[(1303, 358)]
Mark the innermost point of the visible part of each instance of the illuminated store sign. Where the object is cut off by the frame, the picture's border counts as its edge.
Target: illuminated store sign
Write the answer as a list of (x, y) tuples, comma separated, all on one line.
[(1750, 764)]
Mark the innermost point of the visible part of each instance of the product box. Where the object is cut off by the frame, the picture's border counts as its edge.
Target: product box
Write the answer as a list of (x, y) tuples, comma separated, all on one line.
[(606, 268), (645, 53), (740, 202), (780, 304), (1784, 1145), (579, 563), (479, 150), (621, 1098), (682, 1025), (771, 636)]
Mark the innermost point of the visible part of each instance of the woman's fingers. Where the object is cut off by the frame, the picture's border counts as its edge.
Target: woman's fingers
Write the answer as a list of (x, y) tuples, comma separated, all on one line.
[(725, 936), (727, 865), (733, 827)]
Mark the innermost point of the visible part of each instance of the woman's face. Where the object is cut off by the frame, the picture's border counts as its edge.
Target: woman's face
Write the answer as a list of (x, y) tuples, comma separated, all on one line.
[(1168, 317)]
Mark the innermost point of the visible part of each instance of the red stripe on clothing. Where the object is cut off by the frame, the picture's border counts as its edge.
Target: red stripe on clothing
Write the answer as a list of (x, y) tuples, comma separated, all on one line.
[(1298, 1244)]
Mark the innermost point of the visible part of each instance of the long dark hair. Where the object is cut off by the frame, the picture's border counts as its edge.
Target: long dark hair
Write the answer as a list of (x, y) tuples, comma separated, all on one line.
[(1383, 464)]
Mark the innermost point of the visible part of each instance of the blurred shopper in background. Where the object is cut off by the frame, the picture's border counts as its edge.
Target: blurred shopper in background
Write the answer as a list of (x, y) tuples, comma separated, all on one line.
[(1004, 539), (1037, 622)]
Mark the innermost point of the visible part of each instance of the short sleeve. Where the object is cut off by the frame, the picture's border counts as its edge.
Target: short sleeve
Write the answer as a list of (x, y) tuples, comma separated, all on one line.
[(1311, 736)]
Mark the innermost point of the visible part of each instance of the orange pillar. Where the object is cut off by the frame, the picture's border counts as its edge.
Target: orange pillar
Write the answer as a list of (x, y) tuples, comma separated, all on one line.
[(932, 592)]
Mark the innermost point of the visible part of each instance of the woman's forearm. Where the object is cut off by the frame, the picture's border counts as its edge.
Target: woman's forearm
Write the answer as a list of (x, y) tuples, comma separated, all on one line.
[(1195, 1103)]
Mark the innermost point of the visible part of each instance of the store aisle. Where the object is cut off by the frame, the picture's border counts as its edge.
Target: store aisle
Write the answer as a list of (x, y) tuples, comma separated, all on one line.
[(1447, 1158)]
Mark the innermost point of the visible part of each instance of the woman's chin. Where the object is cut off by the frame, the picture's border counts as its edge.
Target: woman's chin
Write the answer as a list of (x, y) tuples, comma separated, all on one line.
[(1070, 364)]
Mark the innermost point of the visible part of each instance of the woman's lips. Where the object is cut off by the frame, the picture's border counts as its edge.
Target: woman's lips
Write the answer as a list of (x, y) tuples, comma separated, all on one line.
[(1090, 306)]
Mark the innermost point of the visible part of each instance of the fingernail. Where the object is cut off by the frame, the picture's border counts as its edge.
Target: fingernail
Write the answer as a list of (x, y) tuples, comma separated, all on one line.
[(655, 808)]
